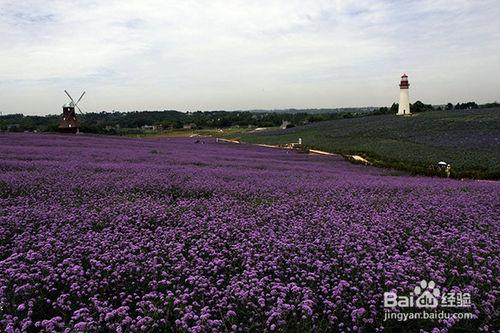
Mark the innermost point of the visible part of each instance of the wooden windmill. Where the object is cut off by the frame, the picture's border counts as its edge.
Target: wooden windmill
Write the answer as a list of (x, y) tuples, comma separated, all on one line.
[(69, 123)]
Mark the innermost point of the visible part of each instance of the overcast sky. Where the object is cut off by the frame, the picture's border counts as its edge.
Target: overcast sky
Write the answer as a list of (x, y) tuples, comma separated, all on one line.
[(210, 55)]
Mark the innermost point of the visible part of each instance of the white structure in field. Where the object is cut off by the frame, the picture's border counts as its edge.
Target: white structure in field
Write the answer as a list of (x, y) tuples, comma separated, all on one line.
[(404, 96)]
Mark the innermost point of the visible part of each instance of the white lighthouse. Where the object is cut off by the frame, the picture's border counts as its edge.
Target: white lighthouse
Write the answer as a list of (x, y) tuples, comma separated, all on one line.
[(404, 96)]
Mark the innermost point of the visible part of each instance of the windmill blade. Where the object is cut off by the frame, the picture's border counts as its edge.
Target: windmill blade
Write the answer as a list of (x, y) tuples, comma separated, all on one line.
[(80, 109), (78, 101), (71, 98)]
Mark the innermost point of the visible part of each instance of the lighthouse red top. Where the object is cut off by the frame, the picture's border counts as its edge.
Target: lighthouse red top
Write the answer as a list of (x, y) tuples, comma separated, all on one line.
[(404, 82)]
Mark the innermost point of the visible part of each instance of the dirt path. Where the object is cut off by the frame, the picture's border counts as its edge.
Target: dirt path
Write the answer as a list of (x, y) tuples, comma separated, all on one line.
[(356, 158)]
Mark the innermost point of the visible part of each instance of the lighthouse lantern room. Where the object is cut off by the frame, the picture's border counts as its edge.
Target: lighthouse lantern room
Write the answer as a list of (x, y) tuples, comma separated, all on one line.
[(404, 96)]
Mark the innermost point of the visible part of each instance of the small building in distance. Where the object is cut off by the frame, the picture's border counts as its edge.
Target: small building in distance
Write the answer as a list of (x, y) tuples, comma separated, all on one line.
[(286, 124), (13, 127), (189, 126)]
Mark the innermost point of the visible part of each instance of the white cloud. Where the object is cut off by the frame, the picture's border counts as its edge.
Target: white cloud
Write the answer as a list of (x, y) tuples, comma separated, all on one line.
[(244, 54)]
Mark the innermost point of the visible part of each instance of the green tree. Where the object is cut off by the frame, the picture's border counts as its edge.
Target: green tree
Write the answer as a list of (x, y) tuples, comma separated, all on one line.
[(394, 108)]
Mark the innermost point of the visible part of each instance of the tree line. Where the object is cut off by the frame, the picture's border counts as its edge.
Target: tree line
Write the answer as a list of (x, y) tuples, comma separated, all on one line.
[(139, 121), (419, 106)]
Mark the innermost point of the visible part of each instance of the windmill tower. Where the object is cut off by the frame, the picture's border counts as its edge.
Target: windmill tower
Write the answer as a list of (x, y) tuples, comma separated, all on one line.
[(404, 97), (69, 123)]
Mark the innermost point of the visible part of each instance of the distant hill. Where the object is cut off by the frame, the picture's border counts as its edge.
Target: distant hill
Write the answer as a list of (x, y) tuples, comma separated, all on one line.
[(467, 139)]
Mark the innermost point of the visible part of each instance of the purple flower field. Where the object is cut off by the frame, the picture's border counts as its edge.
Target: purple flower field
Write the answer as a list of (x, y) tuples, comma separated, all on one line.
[(122, 235)]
